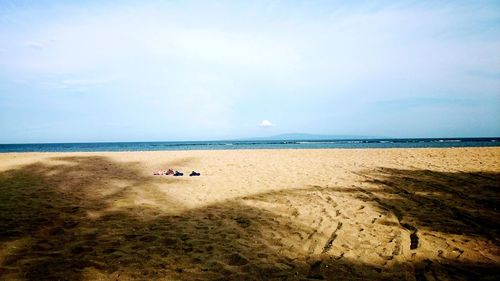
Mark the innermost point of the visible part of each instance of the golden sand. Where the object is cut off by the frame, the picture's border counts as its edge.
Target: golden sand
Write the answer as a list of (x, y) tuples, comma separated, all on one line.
[(371, 214)]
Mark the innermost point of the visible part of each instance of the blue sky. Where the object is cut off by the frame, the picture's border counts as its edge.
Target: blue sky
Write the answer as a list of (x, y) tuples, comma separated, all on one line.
[(196, 70)]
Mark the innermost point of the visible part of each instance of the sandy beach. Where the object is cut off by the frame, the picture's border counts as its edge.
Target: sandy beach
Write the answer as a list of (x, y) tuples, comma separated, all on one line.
[(367, 214)]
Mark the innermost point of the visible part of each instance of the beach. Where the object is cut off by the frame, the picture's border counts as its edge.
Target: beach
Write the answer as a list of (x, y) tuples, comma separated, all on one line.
[(296, 214)]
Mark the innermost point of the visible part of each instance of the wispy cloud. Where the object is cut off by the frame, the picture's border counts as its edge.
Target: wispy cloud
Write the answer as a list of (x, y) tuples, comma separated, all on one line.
[(83, 82), (34, 45), (74, 85)]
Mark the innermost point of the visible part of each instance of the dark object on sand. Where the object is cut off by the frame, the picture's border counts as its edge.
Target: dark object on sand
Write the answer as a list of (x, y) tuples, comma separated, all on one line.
[(169, 172), (194, 174), (178, 174)]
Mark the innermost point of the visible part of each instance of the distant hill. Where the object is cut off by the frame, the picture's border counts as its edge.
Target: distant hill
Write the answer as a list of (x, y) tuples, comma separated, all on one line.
[(298, 136)]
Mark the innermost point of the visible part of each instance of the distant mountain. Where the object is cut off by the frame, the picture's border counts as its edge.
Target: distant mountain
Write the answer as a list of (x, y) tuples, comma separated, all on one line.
[(298, 136)]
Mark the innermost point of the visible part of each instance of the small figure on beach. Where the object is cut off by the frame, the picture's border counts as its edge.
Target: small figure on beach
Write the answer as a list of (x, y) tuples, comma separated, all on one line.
[(178, 174), (194, 174)]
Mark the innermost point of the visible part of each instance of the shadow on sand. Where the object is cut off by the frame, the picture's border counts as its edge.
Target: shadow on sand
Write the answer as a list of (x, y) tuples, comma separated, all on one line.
[(467, 202), (453, 204), (76, 219)]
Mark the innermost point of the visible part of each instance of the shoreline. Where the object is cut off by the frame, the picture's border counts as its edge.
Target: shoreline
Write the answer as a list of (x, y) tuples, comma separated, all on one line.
[(257, 149)]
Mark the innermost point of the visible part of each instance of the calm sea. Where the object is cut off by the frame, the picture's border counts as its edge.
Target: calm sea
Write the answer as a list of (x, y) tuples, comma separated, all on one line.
[(264, 144)]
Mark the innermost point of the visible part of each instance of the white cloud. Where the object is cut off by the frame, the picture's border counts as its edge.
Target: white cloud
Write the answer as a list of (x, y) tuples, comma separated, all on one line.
[(266, 124)]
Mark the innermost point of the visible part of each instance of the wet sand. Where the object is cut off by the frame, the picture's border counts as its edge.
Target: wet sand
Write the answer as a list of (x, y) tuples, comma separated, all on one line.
[(370, 214)]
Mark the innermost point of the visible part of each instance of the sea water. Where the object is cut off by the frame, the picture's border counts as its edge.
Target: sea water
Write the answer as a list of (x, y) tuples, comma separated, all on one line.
[(263, 144)]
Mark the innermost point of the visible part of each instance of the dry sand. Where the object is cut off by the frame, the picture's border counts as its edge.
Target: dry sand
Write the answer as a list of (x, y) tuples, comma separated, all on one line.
[(397, 214)]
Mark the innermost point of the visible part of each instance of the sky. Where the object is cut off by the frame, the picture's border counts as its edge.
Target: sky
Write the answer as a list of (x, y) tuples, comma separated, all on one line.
[(85, 71)]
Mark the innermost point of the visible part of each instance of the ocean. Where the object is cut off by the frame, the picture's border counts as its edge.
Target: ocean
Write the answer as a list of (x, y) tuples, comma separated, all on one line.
[(263, 144)]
